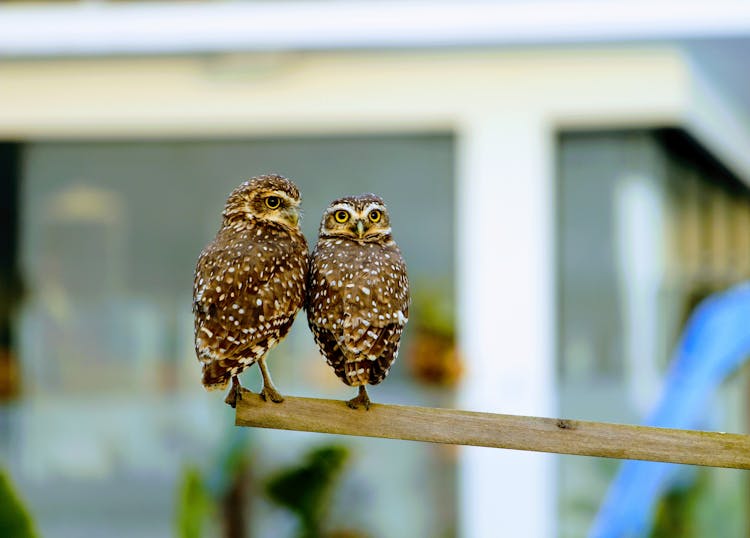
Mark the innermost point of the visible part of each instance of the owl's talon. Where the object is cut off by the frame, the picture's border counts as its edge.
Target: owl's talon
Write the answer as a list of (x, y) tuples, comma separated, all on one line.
[(361, 399), (270, 393), (235, 393), (232, 398)]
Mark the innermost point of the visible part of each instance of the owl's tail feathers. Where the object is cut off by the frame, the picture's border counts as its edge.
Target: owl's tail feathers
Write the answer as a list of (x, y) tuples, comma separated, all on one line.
[(357, 372), (215, 376)]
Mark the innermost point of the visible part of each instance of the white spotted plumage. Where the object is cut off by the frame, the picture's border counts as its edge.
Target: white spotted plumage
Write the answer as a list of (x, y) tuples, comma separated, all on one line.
[(243, 303), (358, 292)]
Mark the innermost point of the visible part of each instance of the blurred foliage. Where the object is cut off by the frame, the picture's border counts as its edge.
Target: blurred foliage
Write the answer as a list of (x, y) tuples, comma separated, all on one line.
[(232, 482), (14, 519), (434, 359), (233, 459), (220, 499), (307, 489), (10, 374), (214, 499), (195, 505), (432, 355), (705, 505), (674, 511), (433, 306)]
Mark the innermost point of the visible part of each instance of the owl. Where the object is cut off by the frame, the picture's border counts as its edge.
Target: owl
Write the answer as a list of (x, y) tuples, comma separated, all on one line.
[(249, 283), (358, 292)]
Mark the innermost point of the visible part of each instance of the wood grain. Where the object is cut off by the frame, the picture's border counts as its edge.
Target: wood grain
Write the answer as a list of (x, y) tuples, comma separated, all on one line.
[(450, 426)]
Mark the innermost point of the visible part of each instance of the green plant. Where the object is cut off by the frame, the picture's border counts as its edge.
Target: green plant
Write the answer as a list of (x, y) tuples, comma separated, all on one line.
[(14, 519), (194, 505), (306, 490)]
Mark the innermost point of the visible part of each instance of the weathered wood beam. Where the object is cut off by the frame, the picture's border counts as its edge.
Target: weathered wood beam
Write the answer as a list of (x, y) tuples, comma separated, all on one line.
[(450, 426)]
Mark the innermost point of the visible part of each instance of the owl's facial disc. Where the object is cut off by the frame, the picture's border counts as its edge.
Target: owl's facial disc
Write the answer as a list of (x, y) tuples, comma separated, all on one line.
[(274, 205), (269, 197), (263, 204), (361, 223)]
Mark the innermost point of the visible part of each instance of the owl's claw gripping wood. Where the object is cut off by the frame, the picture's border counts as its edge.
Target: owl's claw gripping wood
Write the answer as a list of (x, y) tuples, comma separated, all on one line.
[(361, 399), (269, 391), (235, 393)]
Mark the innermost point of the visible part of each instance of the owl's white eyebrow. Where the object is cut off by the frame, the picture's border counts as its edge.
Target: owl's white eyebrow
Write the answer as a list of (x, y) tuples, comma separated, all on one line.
[(279, 194), (339, 207), (373, 205)]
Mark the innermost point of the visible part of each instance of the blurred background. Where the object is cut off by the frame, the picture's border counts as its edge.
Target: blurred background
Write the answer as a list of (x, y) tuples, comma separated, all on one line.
[(568, 180)]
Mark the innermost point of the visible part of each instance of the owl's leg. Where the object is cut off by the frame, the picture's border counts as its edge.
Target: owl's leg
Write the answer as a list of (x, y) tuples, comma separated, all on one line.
[(235, 393), (269, 391), (361, 399)]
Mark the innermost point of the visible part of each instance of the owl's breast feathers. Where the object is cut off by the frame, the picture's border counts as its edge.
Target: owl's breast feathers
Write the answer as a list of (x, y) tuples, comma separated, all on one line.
[(358, 307), (249, 285)]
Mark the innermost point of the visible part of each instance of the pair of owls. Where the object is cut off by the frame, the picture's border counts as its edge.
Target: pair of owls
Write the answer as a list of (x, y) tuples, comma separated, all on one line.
[(253, 278)]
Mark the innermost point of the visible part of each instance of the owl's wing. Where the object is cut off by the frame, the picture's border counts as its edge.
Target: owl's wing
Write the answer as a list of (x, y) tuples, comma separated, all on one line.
[(375, 353), (245, 296), (329, 347), (358, 321), (353, 368), (372, 325)]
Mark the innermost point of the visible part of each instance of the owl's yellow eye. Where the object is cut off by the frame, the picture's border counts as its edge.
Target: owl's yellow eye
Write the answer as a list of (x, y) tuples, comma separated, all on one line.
[(375, 215), (341, 216), (273, 202)]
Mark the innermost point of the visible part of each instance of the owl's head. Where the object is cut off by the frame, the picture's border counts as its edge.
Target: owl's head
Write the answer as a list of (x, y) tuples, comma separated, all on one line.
[(362, 218), (269, 198)]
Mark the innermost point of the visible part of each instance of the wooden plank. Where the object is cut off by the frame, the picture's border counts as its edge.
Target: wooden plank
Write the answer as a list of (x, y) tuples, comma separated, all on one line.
[(561, 436)]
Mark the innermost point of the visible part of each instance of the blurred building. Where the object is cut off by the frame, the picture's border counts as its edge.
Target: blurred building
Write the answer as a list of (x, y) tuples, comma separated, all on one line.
[(574, 173)]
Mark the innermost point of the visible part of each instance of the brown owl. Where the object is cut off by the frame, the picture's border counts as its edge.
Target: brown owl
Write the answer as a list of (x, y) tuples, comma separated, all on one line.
[(249, 283), (358, 292)]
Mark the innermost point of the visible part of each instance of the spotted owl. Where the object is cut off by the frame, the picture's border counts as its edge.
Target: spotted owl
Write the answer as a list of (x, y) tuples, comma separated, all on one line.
[(358, 292), (249, 283)]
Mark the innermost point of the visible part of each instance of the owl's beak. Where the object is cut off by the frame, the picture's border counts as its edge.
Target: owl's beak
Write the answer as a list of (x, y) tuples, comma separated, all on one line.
[(360, 228), (293, 214)]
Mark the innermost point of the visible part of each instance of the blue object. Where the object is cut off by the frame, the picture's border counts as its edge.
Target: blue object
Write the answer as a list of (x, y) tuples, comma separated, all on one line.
[(715, 343)]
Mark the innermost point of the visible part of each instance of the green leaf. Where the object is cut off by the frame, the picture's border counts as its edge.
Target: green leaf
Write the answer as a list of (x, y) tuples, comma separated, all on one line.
[(14, 519), (194, 505)]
